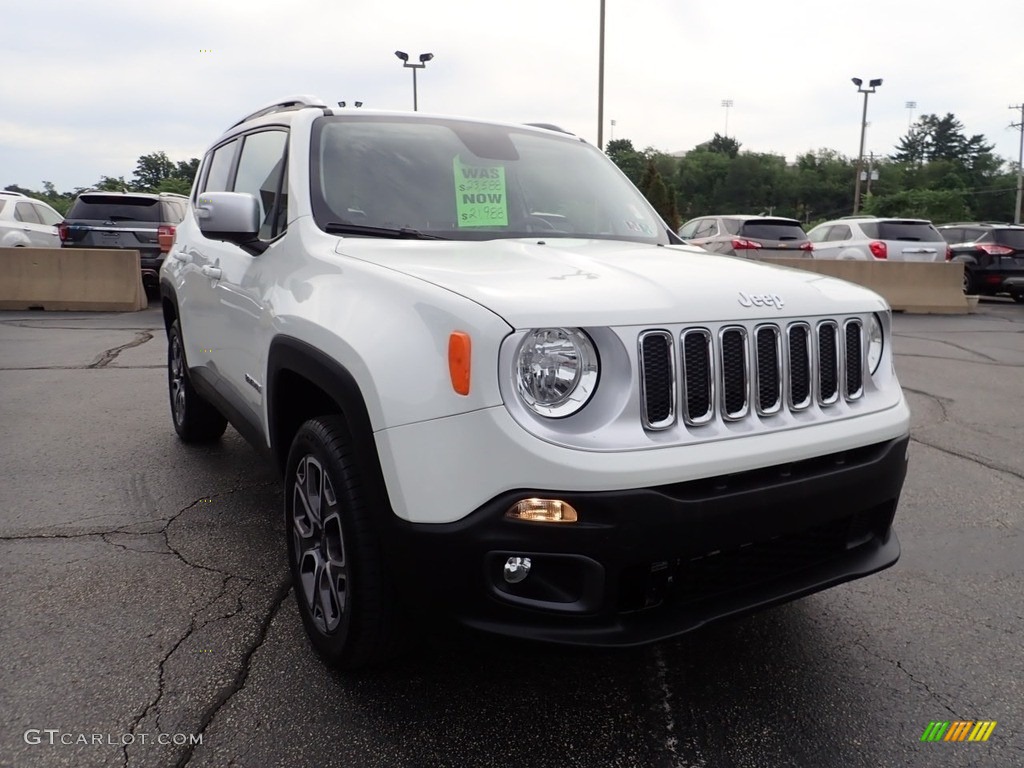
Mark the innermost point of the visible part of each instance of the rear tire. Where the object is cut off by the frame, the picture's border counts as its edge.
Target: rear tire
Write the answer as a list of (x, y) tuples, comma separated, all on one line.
[(195, 420), (970, 283), (345, 599)]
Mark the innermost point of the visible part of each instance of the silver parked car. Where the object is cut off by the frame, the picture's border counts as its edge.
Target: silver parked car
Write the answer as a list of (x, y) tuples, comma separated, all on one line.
[(869, 238), (747, 236), (27, 222)]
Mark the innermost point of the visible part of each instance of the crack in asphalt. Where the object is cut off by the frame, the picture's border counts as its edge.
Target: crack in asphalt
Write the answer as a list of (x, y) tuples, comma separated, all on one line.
[(899, 665), (942, 402), (987, 363), (153, 706), (242, 677), (110, 355), (195, 625), (91, 366), (970, 457), (155, 703), (962, 348), (105, 359)]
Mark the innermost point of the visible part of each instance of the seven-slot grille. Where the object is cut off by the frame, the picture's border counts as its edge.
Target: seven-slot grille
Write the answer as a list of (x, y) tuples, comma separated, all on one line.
[(738, 371)]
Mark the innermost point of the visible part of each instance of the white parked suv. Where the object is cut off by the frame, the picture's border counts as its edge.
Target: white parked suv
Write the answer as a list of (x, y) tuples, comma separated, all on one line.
[(501, 392), (868, 238), (26, 222)]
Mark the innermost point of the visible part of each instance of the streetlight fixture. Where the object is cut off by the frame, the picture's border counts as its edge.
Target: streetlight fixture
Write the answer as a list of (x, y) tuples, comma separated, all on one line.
[(872, 85), (911, 106), (727, 103), (424, 58)]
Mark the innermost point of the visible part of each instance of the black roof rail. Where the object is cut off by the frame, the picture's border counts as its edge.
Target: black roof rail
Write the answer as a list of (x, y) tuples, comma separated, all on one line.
[(283, 105)]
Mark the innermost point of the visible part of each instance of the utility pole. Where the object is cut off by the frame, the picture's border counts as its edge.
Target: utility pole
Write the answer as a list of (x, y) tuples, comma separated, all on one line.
[(600, 84), (1020, 161)]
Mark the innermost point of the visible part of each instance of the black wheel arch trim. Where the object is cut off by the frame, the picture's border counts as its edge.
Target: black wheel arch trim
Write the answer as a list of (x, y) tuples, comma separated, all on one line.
[(334, 380)]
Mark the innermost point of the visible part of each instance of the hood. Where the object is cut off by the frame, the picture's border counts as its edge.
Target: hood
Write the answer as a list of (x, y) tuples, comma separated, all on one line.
[(574, 282)]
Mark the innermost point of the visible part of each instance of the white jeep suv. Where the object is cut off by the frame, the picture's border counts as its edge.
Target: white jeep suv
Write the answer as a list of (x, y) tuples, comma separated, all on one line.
[(501, 392)]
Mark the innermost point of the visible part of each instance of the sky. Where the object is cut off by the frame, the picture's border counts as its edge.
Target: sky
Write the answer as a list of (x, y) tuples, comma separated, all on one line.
[(90, 85)]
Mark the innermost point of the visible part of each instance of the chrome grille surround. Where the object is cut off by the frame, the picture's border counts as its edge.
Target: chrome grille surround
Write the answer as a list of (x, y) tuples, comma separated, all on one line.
[(698, 358), (828, 362), (732, 371), (853, 359), (799, 362), (768, 369), (657, 353)]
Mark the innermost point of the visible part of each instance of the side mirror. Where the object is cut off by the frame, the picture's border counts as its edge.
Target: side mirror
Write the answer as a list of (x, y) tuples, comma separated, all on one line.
[(232, 216)]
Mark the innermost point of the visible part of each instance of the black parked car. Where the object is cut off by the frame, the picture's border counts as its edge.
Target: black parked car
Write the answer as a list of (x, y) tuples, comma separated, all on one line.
[(133, 220), (992, 254)]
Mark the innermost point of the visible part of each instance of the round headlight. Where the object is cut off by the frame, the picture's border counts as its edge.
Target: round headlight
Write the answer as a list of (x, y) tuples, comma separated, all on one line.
[(556, 370), (876, 343)]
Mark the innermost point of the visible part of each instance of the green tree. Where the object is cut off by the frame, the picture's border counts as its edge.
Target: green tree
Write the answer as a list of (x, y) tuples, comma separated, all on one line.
[(186, 170), (150, 170), (935, 204), (724, 145), (111, 184), (630, 162), (657, 193), (942, 138)]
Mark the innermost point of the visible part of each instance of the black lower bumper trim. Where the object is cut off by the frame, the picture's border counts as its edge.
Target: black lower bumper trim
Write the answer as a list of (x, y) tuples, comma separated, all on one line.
[(646, 564)]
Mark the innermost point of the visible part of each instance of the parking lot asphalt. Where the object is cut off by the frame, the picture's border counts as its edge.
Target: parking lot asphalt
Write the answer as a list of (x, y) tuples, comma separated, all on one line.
[(146, 617)]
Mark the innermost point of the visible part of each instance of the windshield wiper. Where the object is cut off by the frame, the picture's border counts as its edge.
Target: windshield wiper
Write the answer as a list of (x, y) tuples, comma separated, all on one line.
[(402, 233)]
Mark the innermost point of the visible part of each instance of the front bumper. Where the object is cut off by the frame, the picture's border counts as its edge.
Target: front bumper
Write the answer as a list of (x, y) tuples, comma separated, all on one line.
[(648, 563)]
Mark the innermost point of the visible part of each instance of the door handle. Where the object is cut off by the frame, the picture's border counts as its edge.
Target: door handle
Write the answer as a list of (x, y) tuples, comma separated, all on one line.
[(213, 272)]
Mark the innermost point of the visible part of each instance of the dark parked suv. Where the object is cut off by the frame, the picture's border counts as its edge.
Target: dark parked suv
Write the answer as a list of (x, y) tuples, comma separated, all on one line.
[(133, 220), (992, 254)]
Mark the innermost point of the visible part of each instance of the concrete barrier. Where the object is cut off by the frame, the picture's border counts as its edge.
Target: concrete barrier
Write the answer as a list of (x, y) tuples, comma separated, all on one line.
[(909, 286), (74, 279)]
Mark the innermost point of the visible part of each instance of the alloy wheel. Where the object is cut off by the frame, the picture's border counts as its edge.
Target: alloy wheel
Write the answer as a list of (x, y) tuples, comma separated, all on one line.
[(319, 545)]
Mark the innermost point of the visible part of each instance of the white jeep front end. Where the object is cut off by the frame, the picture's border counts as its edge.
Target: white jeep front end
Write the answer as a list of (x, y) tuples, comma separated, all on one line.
[(501, 391), (662, 455)]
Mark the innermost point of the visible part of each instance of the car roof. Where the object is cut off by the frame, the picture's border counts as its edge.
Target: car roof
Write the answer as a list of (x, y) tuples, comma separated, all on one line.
[(745, 217), (983, 224), (277, 111), (119, 193)]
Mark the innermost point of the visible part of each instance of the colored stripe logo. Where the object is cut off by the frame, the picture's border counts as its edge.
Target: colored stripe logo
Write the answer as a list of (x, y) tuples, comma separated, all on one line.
[(959, 730)]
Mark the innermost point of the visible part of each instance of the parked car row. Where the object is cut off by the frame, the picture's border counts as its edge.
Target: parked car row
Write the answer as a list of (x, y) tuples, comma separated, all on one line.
[(135, 220), (992, 253)]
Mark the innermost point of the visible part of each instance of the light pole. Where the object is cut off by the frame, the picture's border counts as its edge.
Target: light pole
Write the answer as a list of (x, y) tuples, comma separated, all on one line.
[(911, 106), (424, 58), (1020, 163), (727, 103), (600, 83), (863, 127)]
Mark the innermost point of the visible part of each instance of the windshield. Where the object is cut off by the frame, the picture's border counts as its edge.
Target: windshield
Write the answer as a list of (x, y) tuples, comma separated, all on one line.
[(114, 207), (469, 181), (773, 230)]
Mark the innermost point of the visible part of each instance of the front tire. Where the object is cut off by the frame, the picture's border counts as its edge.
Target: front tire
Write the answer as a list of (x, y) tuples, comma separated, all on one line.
[(344, 598), (195, 420)]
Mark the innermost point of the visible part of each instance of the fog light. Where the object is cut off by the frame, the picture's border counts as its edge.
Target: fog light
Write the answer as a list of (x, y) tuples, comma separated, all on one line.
[(542, 511), (517, 569)]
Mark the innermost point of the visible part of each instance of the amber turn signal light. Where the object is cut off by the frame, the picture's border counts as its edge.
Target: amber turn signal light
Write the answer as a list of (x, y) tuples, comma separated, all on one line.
[(459, 355)]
